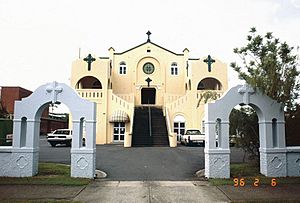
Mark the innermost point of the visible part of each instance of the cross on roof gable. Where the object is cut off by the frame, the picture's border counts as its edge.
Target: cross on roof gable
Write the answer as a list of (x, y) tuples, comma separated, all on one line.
[(149, 42)]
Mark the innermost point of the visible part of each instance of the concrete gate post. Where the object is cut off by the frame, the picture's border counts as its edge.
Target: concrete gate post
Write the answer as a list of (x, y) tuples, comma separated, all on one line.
[(83, 159), (272, 150), (217, 159)]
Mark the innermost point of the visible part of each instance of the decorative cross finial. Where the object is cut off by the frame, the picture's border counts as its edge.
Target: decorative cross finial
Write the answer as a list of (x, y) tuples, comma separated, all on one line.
[(89, 59), (246, 90), (54, 89), (209, 61), (148, 33), (148, 80)]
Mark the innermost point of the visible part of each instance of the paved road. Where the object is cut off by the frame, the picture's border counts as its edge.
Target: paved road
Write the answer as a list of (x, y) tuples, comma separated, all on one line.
[(140, 163)]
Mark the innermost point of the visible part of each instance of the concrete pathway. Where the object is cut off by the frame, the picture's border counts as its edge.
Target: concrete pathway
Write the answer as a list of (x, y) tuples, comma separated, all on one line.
[(151, 191)]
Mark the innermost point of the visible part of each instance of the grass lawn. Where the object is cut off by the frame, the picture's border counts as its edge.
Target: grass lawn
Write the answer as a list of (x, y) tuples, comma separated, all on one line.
[(250, 174), (49, 174)]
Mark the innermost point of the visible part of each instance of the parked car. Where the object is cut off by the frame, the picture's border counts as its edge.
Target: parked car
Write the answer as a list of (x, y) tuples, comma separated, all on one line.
[(60, 136), (9, 138), (193, 136), (234, 140)]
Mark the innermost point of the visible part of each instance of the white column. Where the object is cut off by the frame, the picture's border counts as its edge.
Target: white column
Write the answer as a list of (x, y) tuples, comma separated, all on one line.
[(210, 135), (83, 159), (17, 133), (272, 160), (76, 140), (90, 134), (281, 134), (32, 133), (224, 144), (217, 160)]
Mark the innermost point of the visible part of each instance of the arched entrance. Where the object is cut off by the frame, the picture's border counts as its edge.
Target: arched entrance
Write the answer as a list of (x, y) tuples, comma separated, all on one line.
[(271, 132), (24, 161), (148, 95)]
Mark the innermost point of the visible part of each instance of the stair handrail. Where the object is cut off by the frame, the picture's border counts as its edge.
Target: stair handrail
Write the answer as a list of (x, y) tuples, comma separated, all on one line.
[(149, 116)]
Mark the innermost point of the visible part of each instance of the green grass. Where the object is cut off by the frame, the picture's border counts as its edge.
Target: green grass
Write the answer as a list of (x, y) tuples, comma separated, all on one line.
[(250, 172), (49, 174)]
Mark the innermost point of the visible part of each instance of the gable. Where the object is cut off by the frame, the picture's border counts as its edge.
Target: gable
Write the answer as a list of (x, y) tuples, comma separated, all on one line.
[(160, 47)]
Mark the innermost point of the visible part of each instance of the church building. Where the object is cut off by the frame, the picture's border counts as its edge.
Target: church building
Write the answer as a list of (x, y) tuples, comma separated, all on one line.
[(148, 95)]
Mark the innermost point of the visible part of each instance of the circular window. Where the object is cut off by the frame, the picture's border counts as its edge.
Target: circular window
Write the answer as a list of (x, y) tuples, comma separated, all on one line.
[(148, 68)]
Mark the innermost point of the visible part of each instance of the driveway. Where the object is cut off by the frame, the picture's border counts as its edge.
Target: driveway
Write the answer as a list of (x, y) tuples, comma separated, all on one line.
[(139, 163)]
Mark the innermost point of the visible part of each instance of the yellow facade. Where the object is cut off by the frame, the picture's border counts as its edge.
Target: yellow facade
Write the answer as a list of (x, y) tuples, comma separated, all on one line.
[(117, 83)]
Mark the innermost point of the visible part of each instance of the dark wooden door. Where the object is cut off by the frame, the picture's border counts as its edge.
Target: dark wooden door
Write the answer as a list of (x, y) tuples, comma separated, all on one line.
[(148, 95)]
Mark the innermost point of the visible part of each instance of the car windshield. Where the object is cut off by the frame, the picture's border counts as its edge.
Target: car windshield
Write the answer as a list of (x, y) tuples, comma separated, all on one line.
[(193, 132), (62, 132)]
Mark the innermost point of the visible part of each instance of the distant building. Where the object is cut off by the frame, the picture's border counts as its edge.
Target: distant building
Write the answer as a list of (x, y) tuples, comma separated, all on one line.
[(8, 96)]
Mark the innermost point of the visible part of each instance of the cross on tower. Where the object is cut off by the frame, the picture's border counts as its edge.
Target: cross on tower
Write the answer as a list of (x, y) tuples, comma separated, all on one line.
[(89, 59), (54, 89), (148, 33), (148, 80), (209, 61), (246, 90)]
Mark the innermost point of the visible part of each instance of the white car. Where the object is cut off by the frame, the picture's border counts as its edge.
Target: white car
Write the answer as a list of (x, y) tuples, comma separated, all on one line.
[(9, 138), (193, 136), (60, 136)]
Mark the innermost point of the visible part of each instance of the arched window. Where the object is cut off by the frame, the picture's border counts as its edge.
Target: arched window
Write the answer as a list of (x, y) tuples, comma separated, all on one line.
[(179, 126), (122, 69), (23, 131), (174, 69), (218, 132), (88, 82), (209, 84), (200, 86), (96, 85), (274, 132)]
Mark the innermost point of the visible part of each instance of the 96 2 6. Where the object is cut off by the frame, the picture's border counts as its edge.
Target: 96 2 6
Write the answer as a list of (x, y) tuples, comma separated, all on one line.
[(241, 182)]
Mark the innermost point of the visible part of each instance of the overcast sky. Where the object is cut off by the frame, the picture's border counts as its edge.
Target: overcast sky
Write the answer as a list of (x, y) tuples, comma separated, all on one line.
[(40, 39)]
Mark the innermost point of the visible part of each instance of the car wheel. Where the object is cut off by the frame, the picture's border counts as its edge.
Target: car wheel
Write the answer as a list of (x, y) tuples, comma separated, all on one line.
[(53, 144)]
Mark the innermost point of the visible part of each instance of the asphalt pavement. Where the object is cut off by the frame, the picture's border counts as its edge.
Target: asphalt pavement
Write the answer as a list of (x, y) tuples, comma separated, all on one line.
[(140, 163)]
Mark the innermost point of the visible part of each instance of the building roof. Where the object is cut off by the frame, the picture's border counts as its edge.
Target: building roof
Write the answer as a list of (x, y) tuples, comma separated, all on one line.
[(14, 87), (149, 43)]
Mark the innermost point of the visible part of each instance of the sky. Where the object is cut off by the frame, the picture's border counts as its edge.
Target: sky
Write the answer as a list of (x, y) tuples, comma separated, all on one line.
[(40, 39)]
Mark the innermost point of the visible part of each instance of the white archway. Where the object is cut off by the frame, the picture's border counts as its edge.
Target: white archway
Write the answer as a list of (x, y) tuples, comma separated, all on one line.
[(24, 160), (271, 132)]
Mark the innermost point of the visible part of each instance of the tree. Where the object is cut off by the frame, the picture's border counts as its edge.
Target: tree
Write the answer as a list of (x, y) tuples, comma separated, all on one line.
[(244, 125), (208, 95), (270, 66), (292, 127), (3, 112)]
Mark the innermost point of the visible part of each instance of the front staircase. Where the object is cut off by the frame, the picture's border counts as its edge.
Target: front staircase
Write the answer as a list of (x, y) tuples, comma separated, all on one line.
[(141, 131)]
